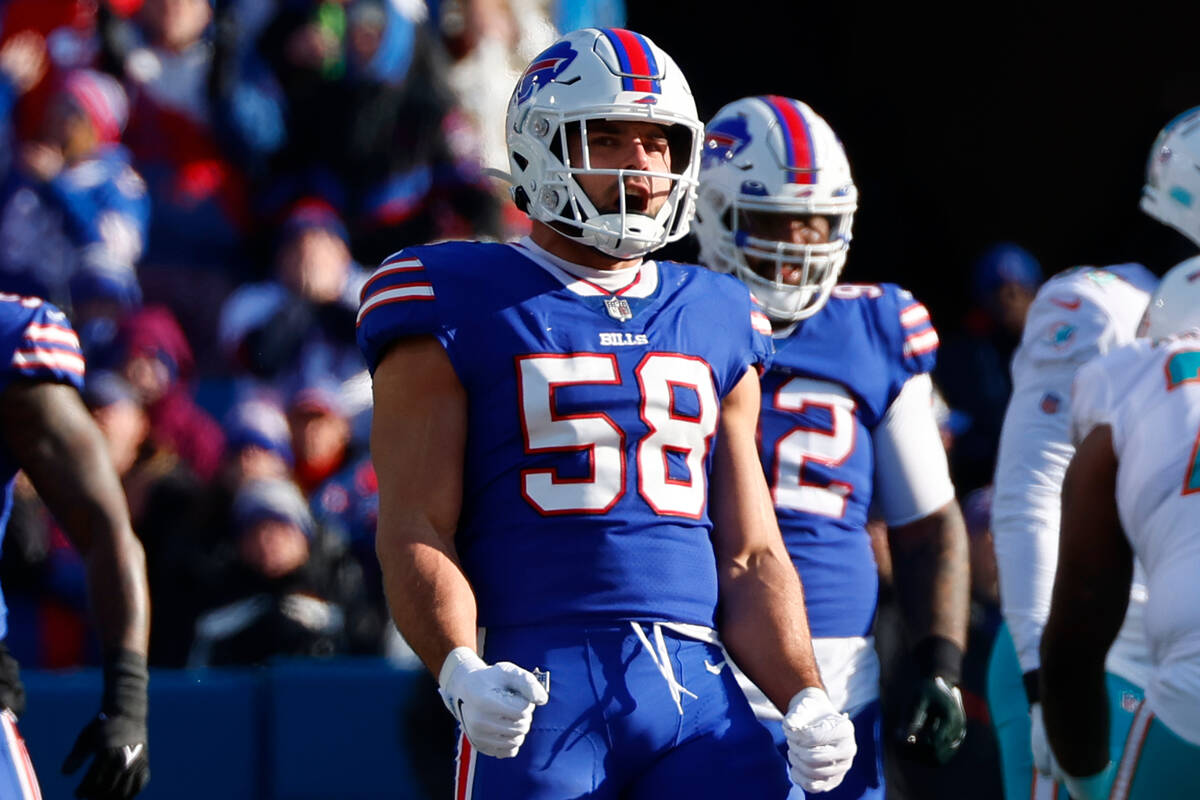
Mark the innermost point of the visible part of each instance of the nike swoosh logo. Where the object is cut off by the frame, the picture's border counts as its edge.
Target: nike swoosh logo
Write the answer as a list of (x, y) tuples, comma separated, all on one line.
[(715, 669), (131, 753), (1069, 305)]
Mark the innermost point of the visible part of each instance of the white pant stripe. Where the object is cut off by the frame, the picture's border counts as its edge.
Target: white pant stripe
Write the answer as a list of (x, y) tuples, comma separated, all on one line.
[(1132, 752)]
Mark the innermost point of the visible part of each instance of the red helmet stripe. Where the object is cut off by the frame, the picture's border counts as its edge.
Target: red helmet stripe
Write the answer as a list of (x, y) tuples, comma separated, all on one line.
[(797, 138)]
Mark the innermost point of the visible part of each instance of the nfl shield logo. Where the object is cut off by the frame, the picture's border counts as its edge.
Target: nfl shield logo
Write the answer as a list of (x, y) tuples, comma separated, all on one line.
[(618, 308)]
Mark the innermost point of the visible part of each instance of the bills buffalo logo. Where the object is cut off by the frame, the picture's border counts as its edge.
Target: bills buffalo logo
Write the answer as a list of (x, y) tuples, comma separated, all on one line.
[(724, 139), (544, 69)]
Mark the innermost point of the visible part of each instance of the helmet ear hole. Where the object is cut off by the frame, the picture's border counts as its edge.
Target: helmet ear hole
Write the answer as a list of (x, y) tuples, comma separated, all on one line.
[(521, 199)]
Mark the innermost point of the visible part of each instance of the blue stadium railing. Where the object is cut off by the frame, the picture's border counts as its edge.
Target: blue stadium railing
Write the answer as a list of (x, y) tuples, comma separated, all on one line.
[(302, 730)]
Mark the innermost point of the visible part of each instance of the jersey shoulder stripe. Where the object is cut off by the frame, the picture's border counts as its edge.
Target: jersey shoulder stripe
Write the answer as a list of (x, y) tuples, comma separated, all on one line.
[(42, 344)]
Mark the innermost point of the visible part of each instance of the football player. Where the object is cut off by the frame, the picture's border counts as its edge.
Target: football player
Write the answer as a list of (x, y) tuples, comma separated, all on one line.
[(1132, 490), (847, 420), (1076, 315), (48, 433), (547, 417)]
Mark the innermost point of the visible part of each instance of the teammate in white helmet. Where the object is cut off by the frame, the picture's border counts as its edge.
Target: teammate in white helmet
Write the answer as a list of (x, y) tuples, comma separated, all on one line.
[(847, 422), (1132, 493)]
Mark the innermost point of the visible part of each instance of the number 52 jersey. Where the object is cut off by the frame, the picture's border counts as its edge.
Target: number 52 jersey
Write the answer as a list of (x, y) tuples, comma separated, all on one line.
[(591, 422), (834, 385)]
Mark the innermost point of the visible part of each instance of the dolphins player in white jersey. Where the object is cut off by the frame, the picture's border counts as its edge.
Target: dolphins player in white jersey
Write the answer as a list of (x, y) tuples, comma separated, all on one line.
[(1076, 315), (847, 423), (1131, 491)]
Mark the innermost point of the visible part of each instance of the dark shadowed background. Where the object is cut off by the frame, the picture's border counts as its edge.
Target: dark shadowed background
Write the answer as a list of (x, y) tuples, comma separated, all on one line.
[(963, 127)]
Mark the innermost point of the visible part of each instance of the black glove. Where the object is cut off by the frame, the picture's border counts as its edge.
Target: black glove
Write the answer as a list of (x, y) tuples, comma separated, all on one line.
[(117, 736), (936, 723)]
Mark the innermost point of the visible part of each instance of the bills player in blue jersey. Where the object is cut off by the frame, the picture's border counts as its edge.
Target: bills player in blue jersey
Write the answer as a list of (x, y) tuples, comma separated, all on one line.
[(548, 415), (48, 433), (847, 419)]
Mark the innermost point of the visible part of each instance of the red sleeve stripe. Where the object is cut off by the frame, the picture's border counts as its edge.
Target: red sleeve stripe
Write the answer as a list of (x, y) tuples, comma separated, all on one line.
[(39, 358), (921, 343), (387, 269), (760, 322), (914, 315), (396, 294), (51, 334)]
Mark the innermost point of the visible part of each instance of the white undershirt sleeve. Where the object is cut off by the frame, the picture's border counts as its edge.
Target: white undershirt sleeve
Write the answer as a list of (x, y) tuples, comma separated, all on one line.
[(912, 477)]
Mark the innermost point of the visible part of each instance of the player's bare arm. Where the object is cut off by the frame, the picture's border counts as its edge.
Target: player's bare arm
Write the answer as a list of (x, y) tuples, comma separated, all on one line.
[(930, 563), (417, 440), (1091, 592), (762, 621), (49, 431)]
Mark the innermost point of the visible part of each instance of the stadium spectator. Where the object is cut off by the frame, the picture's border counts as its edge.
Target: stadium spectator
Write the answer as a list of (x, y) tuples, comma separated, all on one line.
[(69, 30), (71, 199), (367, 105), (973, 367), (278, 591), (152, 354), (22, 64), (321, 435), (195, 253), (298, 328)]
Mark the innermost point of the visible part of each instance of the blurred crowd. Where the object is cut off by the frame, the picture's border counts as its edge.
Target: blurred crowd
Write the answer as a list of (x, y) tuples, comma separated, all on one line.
[(203, 187)]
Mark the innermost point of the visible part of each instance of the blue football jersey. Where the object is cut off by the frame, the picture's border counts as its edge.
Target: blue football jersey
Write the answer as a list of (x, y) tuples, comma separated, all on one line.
[(590, 425), (830, 384), (36, 343)]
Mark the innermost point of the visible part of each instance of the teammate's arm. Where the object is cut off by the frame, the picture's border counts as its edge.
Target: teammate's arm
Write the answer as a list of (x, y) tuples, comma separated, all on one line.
[(762, 618), (1091, 592), (930, 562), (56, 442), (50, 433), (418, 440), (930, 565), (928, 546)]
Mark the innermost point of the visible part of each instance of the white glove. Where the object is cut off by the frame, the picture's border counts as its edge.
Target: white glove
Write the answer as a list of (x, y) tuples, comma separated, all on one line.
[(820, 741), (493, 704), (1038, 740)]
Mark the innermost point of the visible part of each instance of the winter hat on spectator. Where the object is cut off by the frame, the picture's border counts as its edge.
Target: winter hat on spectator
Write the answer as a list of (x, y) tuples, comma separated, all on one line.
[(102, 99), (319, 398), (1004, 263), (310, 213), (271, 499), (259, 423), (154, 331)]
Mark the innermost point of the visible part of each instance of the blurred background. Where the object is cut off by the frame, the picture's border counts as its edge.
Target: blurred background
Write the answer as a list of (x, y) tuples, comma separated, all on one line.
[(204, 187)]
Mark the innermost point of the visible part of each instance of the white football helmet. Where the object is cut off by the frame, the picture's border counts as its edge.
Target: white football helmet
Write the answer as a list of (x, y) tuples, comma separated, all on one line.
[(774, 155), (594, 74), (1175, 305), (1172, 191)]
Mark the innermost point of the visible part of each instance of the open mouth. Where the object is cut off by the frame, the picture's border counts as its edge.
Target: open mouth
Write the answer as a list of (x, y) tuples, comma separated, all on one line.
[(637, 200)]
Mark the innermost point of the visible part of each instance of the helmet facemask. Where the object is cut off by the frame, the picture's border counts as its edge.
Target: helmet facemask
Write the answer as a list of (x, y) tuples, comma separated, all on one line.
[(791, 281), (626, 228), (591, 76)]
